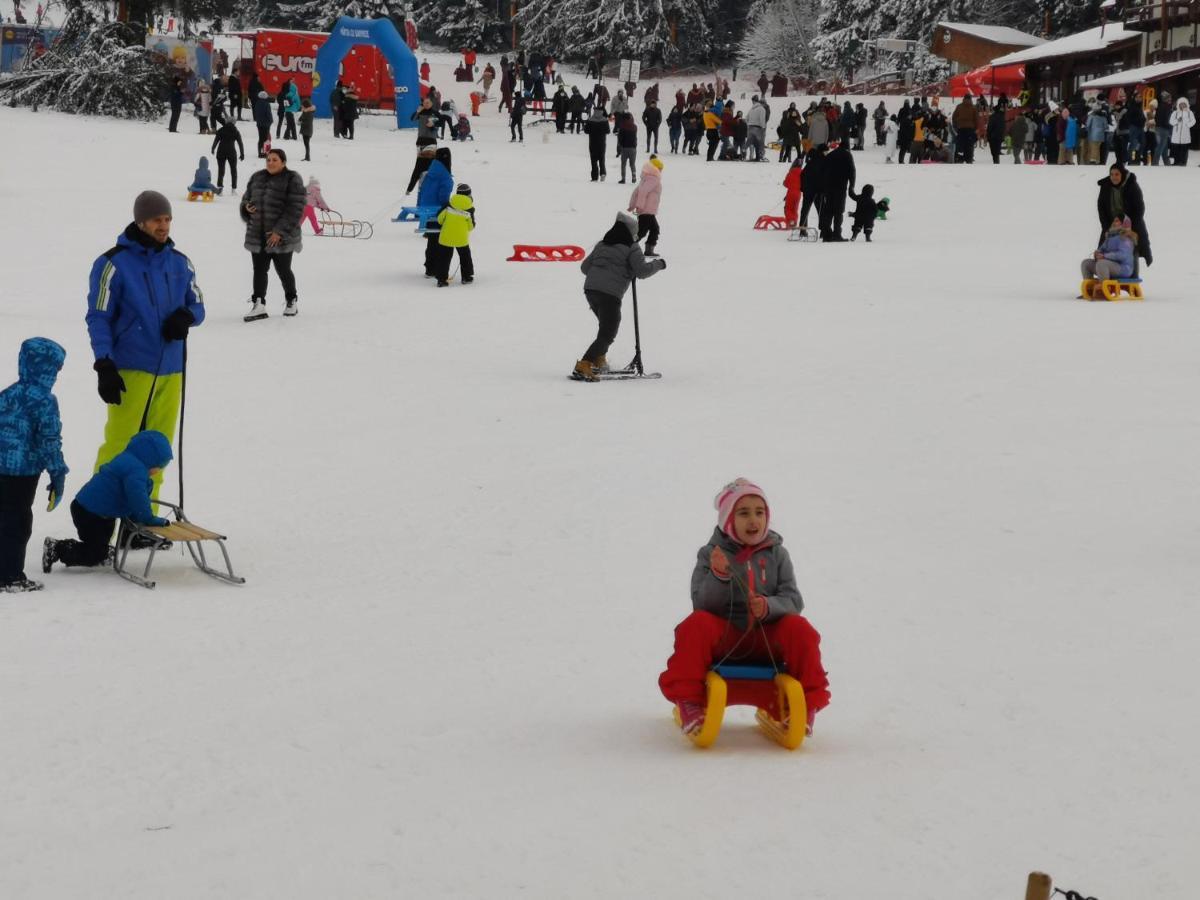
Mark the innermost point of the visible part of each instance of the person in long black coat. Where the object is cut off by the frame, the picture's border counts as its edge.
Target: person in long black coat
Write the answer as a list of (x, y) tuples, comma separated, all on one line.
[(838, 175), (1120, 195), (813, 182), (176, 103)]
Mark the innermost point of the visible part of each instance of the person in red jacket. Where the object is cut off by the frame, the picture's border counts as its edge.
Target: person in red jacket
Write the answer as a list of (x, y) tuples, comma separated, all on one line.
[(425, 70), (746, 608), (791, 200)]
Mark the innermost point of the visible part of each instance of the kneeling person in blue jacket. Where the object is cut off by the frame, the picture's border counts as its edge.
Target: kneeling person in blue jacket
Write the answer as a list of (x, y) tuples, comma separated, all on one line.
[(121, 489)]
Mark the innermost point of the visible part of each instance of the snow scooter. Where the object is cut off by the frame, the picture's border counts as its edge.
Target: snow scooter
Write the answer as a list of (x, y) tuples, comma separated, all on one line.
[(634, 370)]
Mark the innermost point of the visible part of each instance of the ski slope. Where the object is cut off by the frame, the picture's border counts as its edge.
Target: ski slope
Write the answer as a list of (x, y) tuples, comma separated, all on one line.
[(464, 569)]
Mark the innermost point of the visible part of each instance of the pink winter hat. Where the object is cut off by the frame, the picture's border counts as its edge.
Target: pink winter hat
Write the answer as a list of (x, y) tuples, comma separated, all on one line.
[(728, 498)]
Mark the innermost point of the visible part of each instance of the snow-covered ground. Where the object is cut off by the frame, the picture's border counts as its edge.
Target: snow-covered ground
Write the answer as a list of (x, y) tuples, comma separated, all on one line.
[(464, 569)]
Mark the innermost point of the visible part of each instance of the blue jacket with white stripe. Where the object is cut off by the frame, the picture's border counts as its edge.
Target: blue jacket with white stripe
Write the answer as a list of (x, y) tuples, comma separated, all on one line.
[(132, 289)]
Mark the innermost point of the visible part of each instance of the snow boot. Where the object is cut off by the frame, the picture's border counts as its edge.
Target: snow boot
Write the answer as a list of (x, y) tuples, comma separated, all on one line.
[(145, 542), (650, 251), (584, 371), (691, 717), (467, 279), (20, 586), (600, 366), (289, 308), (49, 554), (257, 311)]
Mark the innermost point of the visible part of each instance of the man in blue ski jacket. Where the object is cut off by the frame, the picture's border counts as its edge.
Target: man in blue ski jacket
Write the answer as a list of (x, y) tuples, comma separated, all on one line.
[(142, 300)]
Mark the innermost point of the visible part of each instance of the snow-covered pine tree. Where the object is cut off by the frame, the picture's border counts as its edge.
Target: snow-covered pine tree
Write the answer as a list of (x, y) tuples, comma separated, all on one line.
[(93, 69), (578, 28), (319, 15), (474, 25), (779, 37)]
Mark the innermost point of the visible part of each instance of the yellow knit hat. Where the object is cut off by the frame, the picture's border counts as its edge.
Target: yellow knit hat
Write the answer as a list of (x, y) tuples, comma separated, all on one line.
[(656, 162)]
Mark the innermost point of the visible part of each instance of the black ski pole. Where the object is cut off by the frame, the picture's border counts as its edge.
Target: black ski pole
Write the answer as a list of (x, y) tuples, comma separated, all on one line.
[(182, 409), (636, 364)]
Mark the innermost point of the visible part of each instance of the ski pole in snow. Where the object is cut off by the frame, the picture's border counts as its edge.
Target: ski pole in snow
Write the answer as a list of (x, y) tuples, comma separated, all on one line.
[(636, 364), (182, 408)]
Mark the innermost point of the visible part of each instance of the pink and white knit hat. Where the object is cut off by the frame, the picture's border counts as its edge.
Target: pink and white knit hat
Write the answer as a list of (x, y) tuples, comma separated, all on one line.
[(728, 498)]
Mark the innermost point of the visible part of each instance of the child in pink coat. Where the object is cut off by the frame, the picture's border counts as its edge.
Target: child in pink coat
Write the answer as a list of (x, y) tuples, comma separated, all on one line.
[(314, 202), (746, 608), (644, 203)]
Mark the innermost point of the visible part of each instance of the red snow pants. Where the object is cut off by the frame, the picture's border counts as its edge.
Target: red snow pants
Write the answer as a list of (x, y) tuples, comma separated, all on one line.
[(703, 638), (791, 207)]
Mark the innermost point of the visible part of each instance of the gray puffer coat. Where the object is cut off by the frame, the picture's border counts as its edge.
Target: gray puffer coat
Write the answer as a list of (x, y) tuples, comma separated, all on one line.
[(610, 267), (278, 202), (767, 570)]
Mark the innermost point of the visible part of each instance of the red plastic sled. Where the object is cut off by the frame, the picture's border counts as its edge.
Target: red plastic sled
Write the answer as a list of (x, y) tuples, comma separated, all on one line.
[(1035, 162), (535, 253), (771, 223)]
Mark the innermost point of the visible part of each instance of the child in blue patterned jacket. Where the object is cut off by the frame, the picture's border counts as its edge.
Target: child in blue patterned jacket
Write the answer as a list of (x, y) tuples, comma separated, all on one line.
[(30, 442)]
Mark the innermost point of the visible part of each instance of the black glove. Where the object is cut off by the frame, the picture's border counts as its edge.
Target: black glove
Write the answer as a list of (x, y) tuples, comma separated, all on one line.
[(111, 385), (662, 263), (175, 326)]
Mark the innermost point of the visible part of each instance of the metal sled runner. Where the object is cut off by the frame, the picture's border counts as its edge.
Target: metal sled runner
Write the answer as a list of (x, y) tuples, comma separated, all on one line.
[(333, 225), (181, 530), (805, 233)]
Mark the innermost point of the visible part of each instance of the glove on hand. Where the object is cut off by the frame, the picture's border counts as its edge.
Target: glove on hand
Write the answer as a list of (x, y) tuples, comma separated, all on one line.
[(662, 263), (55, 489), (111, 385), (175, 326), (160, 522)]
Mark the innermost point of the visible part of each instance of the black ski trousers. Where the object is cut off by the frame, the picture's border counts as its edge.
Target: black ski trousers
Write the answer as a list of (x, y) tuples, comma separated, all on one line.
[(175, 111), (16, 523), (597, 162), (232, 161), (94, 534), (607, 310), (648, 228), (443, 257), (832, 209), (283, 268)]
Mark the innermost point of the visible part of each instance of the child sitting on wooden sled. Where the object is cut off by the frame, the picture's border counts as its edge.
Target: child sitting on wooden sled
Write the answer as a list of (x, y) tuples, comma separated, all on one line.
[(1114, 258), (121, 489), (313, 201), (746, 608)]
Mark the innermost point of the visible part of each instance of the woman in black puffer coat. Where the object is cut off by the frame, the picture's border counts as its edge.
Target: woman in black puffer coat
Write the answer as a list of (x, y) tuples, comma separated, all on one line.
[(272, 207), (1120, 196)]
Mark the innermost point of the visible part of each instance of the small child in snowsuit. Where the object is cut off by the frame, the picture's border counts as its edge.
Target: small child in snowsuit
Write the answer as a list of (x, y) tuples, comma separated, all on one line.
[(609, 268), (462, 131), (313, 202), (644, 203), (457, 221), (202, 180), (746, 608), (30, 442), (120, 489), (1114, 258), (884, 207), (865, 213), (793, 182)]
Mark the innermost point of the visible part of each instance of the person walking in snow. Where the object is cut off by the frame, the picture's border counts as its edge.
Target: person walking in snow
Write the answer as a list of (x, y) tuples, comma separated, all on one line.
[(272, 208), (436, 188), (457, 221), (627, 144), (891, 131), (1120, 196), (176, 103), (142, 302), (597, 132), (1182, 120), (228, 148), (202, 104), (652, 119), (234, 89), (865, 212), (746, 607), (644, 203), (335, 107), (675, 126), (613, 263), (307, 112), (349, 107), (756, 124), (515, 119), (30, 443), (262, 121)]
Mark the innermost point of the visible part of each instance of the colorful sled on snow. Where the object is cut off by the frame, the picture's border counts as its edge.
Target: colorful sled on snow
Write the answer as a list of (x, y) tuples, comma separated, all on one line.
[(782, 712), (538, 253), (771, 223), (1112, 289), (419, 214)]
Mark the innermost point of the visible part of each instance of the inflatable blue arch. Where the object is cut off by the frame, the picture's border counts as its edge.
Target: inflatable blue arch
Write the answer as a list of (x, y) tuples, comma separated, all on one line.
[(379, 33)]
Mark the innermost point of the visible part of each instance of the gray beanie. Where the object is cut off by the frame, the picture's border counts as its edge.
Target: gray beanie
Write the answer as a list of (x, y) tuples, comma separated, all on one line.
[(150, 205), (629, 221)]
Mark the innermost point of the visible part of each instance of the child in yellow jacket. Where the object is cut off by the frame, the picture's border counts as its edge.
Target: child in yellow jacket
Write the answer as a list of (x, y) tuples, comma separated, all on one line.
[(457, 221)]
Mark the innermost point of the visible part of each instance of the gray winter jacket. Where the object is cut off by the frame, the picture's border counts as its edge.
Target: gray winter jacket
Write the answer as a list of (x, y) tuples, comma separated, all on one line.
[(278, 202), (610, 267), (768, 572), (818, 128), (757, 117)]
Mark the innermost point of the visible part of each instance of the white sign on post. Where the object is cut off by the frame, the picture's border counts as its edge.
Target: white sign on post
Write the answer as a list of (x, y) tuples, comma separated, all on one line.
[(630, 70)]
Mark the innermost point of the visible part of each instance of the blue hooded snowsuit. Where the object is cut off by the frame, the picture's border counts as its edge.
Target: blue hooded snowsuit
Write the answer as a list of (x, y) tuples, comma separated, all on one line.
[(30, 427), (121, 489)]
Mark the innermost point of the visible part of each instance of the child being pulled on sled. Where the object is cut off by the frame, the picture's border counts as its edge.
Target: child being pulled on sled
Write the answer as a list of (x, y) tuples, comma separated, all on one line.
[(746, 608), (1114, 258), (865, 213), (30, 442), (119, 490), (313, 201)]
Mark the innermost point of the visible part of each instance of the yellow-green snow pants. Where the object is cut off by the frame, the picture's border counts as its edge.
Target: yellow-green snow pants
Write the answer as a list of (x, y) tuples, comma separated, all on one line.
[(125, 418)]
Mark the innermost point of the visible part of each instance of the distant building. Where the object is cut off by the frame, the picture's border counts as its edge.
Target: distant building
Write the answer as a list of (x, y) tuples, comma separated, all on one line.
[(968, 47)]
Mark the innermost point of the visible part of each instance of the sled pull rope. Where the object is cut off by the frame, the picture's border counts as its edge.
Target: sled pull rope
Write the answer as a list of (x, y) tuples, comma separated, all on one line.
[(743, 585)]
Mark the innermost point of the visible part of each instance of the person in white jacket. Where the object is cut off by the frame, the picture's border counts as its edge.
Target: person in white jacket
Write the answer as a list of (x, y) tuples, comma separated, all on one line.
[(1183, 120), (891, 131)]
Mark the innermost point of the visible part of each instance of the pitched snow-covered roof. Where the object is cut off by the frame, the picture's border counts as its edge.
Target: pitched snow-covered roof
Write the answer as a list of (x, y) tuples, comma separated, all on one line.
[(1143, 75), (998, 34), (1090, 41)]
